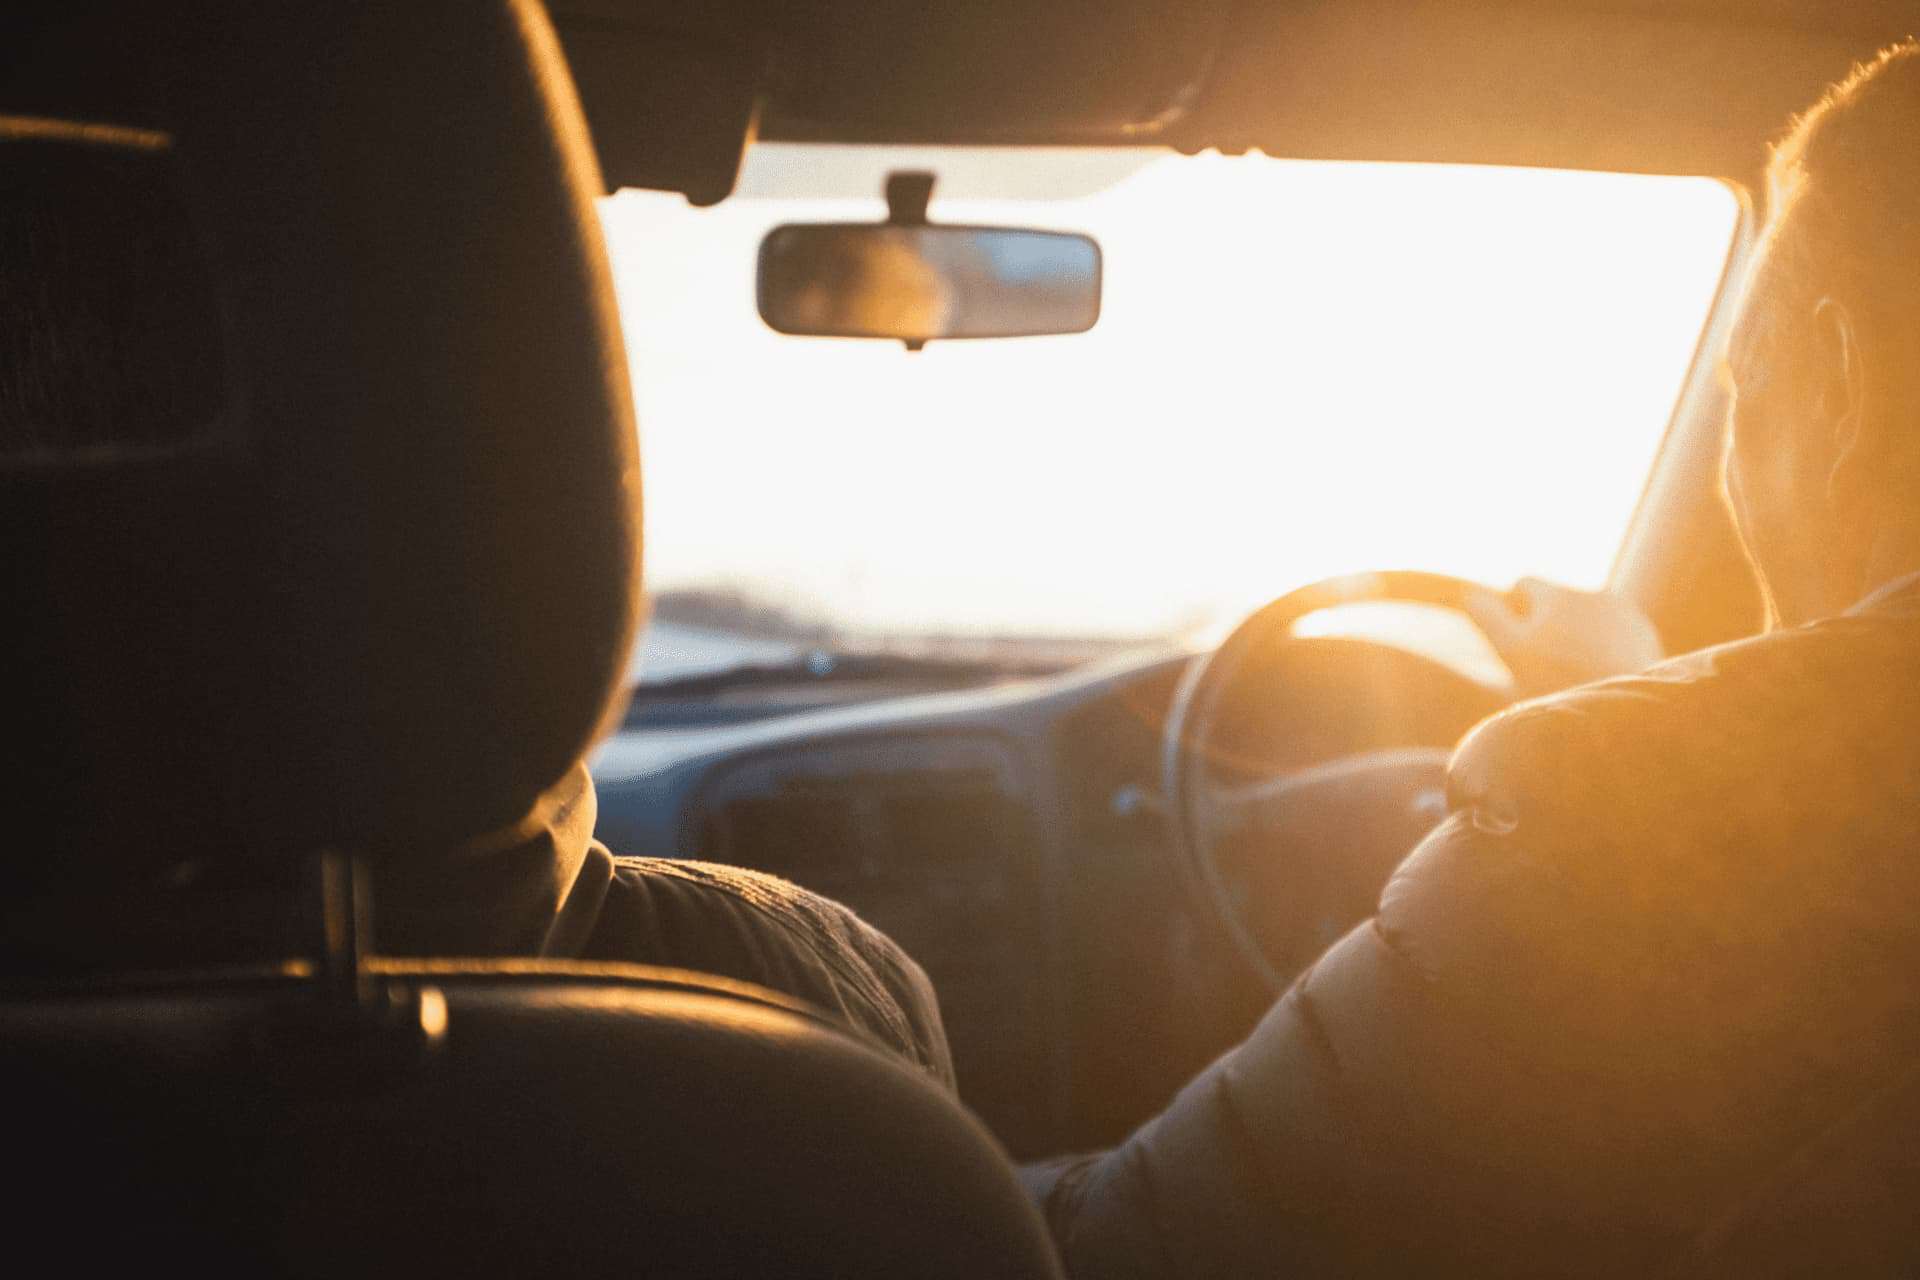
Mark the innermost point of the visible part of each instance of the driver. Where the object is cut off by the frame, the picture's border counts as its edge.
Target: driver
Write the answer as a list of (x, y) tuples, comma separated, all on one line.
[(1648, 991)]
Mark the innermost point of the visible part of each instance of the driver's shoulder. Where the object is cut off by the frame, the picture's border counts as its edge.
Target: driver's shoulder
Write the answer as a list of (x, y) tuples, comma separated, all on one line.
[(1653, 835), (1709, 728)]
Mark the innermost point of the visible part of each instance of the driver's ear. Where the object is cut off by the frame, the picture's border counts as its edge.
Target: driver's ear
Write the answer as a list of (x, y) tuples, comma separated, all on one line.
[(1842, 402)]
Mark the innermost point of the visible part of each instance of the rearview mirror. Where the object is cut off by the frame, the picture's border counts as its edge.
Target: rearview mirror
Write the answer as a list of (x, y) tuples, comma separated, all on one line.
[(919, 283)]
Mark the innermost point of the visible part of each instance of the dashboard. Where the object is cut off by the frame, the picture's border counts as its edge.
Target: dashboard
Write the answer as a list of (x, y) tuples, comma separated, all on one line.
[(1011, 840)]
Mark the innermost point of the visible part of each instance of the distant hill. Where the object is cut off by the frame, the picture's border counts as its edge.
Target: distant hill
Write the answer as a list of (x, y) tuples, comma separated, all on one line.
[(672, 651), (739, 612), (693, 630)]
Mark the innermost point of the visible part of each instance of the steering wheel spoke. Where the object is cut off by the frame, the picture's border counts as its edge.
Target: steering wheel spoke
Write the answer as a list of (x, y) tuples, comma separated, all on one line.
[(1411, 780)]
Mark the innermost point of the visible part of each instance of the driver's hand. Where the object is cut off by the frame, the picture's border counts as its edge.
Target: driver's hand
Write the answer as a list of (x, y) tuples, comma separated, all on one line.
[(1553, 637)]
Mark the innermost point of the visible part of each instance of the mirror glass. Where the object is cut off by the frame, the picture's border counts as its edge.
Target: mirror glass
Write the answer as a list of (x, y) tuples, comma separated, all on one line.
[(922, 283)]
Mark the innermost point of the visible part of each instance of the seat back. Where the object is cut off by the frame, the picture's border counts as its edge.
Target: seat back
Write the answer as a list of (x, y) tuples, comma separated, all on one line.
[(549, 1120), (319, 549)]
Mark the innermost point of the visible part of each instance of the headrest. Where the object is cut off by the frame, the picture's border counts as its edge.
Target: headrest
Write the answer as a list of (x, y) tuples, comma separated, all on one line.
[(319, 508)]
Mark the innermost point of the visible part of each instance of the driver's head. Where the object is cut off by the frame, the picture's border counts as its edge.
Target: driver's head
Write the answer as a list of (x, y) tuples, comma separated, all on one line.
[(1823, 457)]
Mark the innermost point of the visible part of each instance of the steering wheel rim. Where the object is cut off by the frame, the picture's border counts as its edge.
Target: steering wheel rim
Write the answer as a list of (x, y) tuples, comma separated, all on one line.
[(1198, 693)]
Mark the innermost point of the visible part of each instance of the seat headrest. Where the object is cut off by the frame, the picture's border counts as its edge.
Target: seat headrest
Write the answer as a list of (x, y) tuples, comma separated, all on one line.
[(318, 495)]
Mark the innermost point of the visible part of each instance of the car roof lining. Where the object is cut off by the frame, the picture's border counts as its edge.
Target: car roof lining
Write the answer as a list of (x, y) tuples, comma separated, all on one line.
[(1651, 86)]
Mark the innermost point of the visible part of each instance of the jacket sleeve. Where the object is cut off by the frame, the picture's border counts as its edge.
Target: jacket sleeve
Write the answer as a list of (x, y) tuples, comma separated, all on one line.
[(1450, 1087), (1389, 1097), (1658, 946)]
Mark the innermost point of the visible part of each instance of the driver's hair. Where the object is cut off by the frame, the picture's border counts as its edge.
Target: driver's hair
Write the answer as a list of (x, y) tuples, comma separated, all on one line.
[(1843, 194)]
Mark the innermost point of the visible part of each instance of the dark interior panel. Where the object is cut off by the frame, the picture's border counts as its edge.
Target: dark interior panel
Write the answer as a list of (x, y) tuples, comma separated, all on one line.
[(1147, 966), (932, 840)]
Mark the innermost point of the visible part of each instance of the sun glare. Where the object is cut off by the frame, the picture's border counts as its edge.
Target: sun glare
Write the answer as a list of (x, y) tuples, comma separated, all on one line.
[(1301, 369)]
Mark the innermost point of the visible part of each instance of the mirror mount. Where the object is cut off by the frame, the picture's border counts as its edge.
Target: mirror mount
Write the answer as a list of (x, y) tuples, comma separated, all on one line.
[(909, 192)]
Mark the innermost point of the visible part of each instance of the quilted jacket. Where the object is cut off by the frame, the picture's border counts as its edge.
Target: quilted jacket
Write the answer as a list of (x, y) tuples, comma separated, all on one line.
[(1647, 1000)]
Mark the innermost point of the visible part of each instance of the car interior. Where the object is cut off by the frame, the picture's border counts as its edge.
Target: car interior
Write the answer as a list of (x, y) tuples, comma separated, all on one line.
[(322, 493)]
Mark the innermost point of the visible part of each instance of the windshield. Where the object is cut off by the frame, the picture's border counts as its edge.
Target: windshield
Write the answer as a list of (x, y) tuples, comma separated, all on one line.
[(1300, 369)]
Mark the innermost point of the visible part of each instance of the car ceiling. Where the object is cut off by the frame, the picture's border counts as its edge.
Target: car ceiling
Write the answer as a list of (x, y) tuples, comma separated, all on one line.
[(1674, 86)]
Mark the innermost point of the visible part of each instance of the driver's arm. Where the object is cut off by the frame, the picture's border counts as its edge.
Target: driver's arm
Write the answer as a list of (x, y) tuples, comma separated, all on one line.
[(1597, 1003), (1390, 1093)]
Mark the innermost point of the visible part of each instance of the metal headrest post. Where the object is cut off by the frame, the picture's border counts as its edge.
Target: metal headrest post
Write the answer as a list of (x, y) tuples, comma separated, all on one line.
[(378, 1023), (346, 926)]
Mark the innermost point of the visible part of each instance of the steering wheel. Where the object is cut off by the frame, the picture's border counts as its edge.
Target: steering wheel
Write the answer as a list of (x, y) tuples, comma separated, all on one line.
[(1349, 820)]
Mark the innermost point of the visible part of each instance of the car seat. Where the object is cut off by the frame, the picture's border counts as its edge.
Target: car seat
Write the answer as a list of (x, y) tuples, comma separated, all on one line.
[(321, 552)]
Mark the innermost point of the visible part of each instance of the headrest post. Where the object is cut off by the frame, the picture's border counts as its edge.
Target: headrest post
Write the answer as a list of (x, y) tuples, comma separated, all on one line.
[(346, 923), (367, 1025)]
